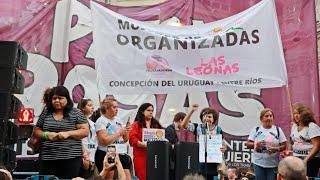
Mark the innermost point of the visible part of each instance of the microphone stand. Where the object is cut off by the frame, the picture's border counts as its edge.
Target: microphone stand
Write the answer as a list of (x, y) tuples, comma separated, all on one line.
[(205, 146)]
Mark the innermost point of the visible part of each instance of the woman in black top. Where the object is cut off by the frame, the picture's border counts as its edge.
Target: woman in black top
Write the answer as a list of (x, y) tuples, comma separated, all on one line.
[(180, 121)]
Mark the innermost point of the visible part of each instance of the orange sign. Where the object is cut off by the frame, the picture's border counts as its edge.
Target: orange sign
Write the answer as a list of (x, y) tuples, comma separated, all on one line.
[(26, 115)]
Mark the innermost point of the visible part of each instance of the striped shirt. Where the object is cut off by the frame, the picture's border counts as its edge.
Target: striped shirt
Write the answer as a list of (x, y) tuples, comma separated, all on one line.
[(60, 149)]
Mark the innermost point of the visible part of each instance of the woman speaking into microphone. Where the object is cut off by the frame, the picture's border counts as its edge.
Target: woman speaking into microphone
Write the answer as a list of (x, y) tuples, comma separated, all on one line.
[(209, 118)]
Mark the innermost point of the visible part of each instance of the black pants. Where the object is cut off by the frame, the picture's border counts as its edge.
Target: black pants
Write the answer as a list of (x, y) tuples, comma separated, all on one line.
[(313, 166), (211, 170), (62, 168)]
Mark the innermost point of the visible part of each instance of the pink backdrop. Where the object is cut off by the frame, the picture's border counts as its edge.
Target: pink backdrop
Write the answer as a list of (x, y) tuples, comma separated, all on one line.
[(31, 22)]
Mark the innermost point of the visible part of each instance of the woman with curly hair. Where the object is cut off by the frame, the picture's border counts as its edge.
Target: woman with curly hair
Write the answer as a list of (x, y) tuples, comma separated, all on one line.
[(209, 118), (305, 138)]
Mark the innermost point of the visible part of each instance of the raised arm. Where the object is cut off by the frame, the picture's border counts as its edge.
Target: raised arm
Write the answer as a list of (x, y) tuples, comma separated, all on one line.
[(120, 170), (186, 119)]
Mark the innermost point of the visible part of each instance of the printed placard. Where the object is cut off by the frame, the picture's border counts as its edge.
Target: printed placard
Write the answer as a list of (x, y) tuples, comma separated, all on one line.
[(214, 143), (153, 135)]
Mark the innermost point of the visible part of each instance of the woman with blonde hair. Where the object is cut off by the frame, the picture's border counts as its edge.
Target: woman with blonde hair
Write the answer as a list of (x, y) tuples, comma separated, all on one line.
[(112, 131), (267, 140)]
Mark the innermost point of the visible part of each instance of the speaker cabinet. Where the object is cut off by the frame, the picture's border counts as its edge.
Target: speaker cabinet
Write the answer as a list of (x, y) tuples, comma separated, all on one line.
[(13, 58), (187, 159), (158, 160), (8, 158)]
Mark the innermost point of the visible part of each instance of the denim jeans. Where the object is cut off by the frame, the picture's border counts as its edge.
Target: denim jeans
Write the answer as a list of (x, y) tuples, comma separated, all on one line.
[(265, 173)]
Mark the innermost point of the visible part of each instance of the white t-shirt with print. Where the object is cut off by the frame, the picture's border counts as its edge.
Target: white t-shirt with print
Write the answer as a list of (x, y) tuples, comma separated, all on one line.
[(302, 139), (112, 127), (270, 136), (89, 143)]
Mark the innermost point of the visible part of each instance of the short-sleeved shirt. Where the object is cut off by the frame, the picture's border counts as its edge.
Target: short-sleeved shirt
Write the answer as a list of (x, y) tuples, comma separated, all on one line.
[(60, 149), (89, 143), (302, 139), (273, 139), (111, 127)]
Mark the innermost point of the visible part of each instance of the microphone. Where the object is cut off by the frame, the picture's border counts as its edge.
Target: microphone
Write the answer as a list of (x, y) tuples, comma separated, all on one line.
[(204, 116), (204, 121)]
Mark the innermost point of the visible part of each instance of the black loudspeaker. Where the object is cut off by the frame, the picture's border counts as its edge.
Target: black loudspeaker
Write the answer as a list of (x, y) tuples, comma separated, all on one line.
[(24, 132), (5, 99), (158, 160), (9, 106), (8, 132), (12, 58), (8, 158), (12, 55), (187, 159)]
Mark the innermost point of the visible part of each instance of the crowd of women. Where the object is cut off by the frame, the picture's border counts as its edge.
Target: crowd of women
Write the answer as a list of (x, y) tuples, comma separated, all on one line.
[(75, 142)]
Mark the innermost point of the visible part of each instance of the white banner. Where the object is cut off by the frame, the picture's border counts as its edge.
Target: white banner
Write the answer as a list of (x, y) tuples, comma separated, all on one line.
[(241, 51)]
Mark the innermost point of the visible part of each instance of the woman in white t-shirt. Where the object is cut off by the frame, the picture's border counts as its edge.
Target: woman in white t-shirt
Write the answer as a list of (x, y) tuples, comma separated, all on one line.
[(267, 140), (112, 131), (89, 143), (305, 138)]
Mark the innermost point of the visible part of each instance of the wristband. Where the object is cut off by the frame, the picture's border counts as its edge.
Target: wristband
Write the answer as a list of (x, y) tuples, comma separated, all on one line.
[(45, 135)]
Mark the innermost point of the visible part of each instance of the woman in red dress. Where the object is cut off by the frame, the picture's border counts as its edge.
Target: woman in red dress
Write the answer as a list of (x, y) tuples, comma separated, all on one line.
[(144, 119)]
